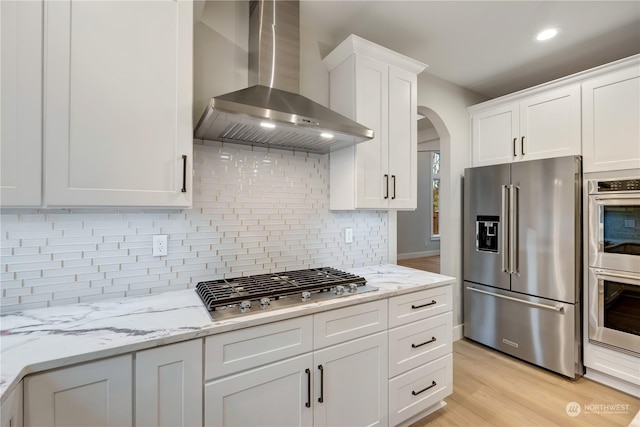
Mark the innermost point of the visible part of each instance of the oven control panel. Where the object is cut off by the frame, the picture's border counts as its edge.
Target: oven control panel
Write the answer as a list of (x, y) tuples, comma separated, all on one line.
[(619, 185)]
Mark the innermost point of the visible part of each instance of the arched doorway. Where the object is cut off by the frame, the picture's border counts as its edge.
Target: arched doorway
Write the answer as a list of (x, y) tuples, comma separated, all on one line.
[(421, 233)]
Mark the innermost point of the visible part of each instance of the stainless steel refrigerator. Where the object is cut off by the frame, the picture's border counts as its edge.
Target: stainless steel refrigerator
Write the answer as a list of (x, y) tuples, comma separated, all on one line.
[(523, 261)]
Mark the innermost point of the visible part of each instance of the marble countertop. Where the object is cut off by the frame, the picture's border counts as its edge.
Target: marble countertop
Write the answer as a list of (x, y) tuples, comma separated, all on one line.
[(37, 340)]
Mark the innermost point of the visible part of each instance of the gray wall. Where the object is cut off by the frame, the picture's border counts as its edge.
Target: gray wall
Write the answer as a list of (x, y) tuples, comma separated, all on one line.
[(414, 227)]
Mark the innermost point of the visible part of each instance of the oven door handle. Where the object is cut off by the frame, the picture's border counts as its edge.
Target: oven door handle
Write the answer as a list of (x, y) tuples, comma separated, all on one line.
[(616, 275)]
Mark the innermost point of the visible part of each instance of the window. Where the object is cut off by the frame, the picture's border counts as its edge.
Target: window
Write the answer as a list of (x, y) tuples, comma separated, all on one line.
[(435, 195)]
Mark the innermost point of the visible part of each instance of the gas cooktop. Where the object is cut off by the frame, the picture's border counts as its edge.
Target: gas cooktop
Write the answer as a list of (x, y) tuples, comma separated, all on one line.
[(227, 298)]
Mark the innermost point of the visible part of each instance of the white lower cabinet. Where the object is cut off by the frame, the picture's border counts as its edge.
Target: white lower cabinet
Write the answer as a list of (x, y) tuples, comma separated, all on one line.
[(420, 388), (292, 377), (350, 383), (420, 354), (92, 394), (168, 386), (11, 411), (278, 394)]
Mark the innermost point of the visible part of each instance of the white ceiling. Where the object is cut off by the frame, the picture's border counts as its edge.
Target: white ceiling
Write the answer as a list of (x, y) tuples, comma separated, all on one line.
[(488, 46)]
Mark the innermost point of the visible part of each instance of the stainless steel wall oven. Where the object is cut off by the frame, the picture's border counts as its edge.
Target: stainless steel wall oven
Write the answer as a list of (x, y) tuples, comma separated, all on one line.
[(614, 264)]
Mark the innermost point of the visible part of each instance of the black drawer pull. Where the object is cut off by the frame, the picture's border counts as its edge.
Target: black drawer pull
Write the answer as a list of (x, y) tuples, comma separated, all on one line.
[(321, 398), (433, 384), (184, 174), (413, 307), (308, 372), (433, 339), (386, 180)]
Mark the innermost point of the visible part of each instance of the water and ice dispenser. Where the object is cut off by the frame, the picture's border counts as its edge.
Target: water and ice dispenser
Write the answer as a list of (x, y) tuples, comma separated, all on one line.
[(487, 227)]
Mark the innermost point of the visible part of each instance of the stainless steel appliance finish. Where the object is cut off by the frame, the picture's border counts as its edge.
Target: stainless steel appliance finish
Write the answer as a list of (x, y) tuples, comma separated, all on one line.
[(614, 263), (522, 292), (614, 310), (614, 224), (226, 298), (298, 122)]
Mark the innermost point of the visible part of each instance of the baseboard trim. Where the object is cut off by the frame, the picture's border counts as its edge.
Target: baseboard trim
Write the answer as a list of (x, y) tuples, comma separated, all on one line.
[(458, 332), (410, 255)]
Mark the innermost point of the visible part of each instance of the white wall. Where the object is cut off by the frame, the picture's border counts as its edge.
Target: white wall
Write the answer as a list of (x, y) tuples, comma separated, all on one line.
[(450, 103)]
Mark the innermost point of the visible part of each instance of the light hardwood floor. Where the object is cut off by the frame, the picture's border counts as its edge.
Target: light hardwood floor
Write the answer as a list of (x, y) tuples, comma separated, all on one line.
[(492, 389), (431, 263)]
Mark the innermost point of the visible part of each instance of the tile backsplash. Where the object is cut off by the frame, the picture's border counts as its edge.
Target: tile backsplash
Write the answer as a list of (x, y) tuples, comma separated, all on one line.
[(254, 211)]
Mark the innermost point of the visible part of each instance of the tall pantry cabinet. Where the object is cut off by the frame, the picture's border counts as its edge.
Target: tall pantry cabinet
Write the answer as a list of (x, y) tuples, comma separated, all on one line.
[(377, 88)]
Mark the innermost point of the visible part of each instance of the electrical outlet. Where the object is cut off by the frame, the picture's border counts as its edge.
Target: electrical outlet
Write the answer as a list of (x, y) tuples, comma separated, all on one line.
[(160, 245), (348, 235)]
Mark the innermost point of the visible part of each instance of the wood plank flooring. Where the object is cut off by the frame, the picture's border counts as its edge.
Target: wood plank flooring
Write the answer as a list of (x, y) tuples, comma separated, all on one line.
[(492, 389), (431, 263)]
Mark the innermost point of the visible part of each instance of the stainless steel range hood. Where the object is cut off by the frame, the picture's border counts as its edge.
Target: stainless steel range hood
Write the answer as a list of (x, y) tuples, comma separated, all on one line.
[(271, 113)]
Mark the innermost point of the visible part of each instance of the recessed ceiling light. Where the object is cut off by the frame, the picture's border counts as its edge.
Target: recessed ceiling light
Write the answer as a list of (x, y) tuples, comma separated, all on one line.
[(547, 34), (267, 125), (326, 135)]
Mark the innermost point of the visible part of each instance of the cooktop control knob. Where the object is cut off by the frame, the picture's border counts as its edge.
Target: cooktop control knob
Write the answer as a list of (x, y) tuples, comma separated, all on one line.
[(353, 287), (339, 290), (306, 296), (264, 303), (245, 306)]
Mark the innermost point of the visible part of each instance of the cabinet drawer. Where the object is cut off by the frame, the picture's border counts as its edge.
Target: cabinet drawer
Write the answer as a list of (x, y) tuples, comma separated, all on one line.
[(345, 324), (419, 389), (248, 348), (419, 305), (418, 343)]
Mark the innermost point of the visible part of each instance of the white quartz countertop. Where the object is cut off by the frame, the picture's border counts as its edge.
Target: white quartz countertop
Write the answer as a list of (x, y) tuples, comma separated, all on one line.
[(41, 339)]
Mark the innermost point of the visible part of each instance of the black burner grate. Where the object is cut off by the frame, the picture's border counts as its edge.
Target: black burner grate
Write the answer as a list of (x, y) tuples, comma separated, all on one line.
[(224, 292)]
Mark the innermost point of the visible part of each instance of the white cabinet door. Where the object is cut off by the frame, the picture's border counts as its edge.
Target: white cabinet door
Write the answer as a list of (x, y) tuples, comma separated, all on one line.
[(117, 103), (550, 124), (495, 135), (93, 394), (611, 121), (377, 88), (169, 385), (351, 385), (372, 110), (11, 411), (274, 395), (403, 139), (21, 107)]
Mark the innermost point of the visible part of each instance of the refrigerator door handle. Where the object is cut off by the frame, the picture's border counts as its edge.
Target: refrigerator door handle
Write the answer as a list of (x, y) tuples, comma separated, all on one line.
[(504, 240), (534, 304), (514, 208)]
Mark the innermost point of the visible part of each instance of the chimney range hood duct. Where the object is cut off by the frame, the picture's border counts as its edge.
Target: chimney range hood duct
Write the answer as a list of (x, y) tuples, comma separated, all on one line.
[(271, 113)]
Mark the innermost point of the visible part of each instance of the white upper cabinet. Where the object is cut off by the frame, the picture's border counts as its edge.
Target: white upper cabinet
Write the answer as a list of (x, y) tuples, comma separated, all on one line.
[(539, 126), (21, 108), (377, 88), (611, 120), (117, 103)]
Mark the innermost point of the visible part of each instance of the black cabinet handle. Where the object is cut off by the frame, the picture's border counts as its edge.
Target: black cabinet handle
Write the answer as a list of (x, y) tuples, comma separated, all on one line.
[(308, 372), (184, 173), (393, 177), (386, 179), (433, 339), (423, 305), (433, 384), (514, 147), (321, 398), (522, 145)]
